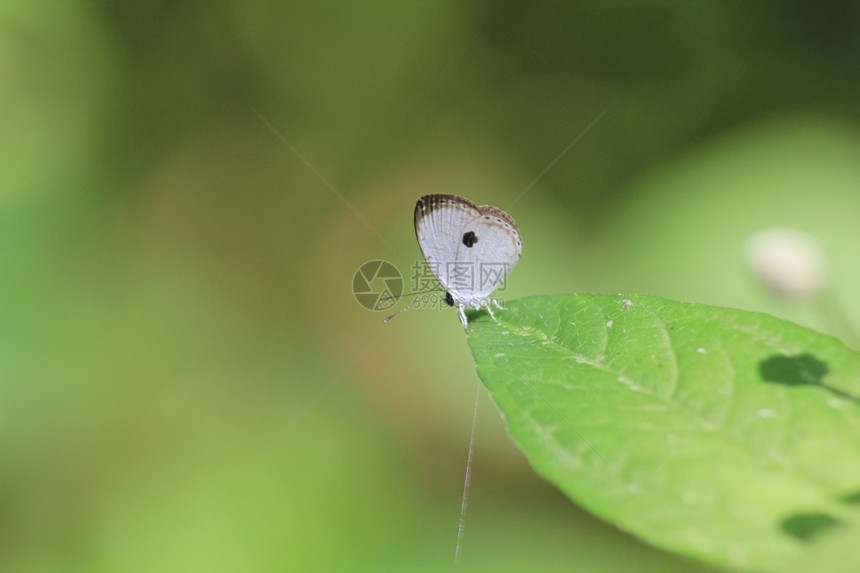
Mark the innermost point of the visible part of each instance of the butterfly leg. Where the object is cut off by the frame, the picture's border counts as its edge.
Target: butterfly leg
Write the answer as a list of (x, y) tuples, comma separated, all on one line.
[(490, 312), (486, 304), (461, 312), (498, 305)]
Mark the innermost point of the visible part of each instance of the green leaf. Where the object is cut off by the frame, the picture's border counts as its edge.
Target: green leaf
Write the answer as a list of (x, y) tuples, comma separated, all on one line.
[(728, 436)]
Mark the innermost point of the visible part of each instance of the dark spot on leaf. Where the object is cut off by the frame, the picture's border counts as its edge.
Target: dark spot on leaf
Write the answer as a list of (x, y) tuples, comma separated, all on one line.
[(800, 370), (469, 238), (806, 526)]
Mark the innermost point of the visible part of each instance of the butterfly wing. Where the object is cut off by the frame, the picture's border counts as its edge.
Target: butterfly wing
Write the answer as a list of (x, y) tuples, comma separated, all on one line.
[(488, 248), (438, 220), (469, 249)]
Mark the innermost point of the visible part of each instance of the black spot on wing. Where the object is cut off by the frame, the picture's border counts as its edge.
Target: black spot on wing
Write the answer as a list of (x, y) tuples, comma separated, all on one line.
[(469, 238)]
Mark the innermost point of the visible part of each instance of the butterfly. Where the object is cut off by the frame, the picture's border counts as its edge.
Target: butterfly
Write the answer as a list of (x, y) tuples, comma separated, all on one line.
[(469, 248)]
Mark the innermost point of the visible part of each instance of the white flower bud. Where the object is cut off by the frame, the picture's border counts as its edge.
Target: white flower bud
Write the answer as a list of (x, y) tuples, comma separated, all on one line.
[(789, 263)]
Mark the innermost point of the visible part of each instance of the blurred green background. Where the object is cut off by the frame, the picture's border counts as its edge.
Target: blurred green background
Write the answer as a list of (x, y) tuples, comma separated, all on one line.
[(186, 381)]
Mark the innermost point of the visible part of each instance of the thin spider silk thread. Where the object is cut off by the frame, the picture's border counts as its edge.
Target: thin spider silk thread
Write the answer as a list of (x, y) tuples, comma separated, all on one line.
[(467, 480)]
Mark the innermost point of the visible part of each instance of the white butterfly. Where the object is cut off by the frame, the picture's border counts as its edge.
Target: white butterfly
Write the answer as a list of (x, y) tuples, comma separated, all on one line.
[(470, 249)]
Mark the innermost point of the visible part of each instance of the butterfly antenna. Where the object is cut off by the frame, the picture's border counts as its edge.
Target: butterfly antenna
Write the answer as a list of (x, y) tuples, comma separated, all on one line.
[(416, 303), (404, 309)]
